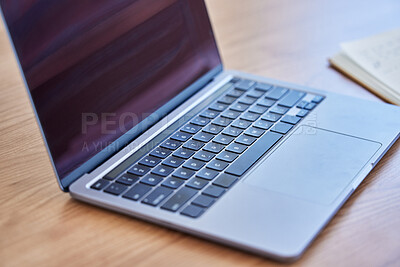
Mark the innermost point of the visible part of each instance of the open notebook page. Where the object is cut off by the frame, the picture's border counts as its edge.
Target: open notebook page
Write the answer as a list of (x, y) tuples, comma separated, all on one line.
[(379, 55)]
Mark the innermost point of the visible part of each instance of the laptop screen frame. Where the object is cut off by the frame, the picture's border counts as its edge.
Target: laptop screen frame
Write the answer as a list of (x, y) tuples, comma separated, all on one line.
[(128, 137)]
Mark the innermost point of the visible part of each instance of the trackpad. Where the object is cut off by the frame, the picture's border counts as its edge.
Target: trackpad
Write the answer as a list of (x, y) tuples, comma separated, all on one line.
[(313, 164)]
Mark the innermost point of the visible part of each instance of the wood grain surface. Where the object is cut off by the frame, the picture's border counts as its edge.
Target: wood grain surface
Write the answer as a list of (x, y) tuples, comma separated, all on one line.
[(283, 39)]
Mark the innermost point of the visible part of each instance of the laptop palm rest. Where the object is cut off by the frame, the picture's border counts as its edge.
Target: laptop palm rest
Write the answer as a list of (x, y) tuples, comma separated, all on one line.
[(313, 164)]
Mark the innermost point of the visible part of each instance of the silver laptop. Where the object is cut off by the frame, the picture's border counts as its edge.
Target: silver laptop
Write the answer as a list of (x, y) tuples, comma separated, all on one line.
[(140, 117)]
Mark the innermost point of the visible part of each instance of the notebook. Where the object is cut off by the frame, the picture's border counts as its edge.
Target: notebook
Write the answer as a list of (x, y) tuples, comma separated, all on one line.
[(374, 62)]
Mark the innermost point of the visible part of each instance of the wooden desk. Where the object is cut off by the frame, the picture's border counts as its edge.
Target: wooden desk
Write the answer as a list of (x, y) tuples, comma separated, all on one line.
[(282, 39)]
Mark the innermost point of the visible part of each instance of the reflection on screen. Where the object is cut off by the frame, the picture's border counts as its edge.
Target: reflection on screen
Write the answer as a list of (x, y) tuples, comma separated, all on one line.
[(97, 68)]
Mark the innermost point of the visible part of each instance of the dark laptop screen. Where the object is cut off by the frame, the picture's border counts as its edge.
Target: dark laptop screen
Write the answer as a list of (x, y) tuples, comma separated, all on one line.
[(96, 68)]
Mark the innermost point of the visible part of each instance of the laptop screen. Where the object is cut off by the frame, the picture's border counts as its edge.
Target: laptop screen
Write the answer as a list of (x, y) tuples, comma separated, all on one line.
[(96, 69)]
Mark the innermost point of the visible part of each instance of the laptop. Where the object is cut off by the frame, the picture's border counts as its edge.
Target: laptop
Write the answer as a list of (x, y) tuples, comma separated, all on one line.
[(140, 117)]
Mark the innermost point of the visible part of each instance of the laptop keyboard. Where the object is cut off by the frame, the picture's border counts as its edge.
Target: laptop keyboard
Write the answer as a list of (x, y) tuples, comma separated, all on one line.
[(193, 167)]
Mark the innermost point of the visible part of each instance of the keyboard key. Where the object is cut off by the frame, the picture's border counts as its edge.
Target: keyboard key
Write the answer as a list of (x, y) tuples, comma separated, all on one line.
[(127, 179), (230, 114), (197, 183), (203, 201), (151, 179), (192, 211), (235, 93), (281, 127), (100, 184), (211, 114), (223, 139), (194, 164), (291, 98), (200, 121), (214, 191), (234, 80), (172, 182), (171, 144), (271, 117), (250, 116), (227, 156), (137, 192), (194, 145), (204, 156), (239, 107), (236, 148), (262, 124), (181, 136), (253, 153), (302, 113), (310, 106), (183, 153), (179, 199), (276, 93), (258, 109), (213, 147), (225, 180), (160, 152), (218, 107), (255, 93), (263, 86), (217, 165), (183, 173), (291, 119), (227, 100), (221, 121), (139, 170), (242, 124), (266, 102), (158, 195), (244, 84), (110, 177), (213, 129), (150, 161), (302, 104), (232, 131), (173, 162), (255, 132), (245, 140), (190, 128), (247, 100), (115, 189), (162, 170), (207, 174), (279, 110), (317, 99), (203, 137)]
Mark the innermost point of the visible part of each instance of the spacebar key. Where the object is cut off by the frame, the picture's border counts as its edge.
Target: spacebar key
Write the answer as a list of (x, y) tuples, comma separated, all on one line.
[(253, 153)]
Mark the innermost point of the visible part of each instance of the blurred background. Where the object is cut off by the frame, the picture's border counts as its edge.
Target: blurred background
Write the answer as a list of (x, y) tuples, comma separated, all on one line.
[(298, 37)]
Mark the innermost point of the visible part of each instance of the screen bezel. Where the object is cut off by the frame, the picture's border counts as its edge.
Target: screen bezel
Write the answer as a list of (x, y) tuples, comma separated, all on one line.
[(127, 137)]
